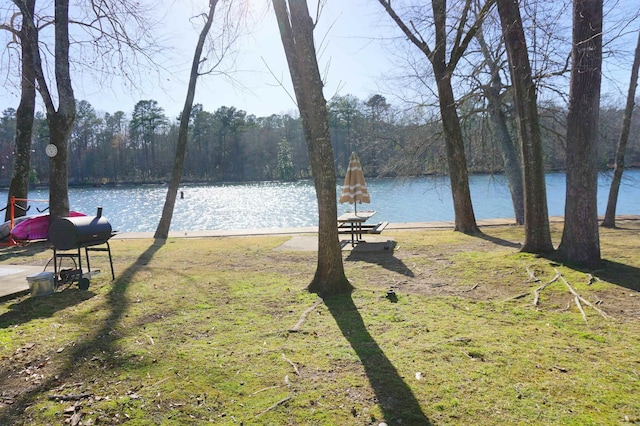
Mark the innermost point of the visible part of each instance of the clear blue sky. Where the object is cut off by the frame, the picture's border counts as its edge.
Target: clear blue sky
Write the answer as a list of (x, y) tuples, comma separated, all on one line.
[(353, 56), (351, 60)]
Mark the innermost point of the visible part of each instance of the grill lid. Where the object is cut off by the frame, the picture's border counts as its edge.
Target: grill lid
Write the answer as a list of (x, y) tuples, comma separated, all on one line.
[(67, 233)]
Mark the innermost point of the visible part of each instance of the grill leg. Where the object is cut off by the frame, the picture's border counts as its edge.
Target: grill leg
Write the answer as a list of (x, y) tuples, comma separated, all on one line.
[(55, 267), (58, 266), (113, 276), (80, 262), (86, 253), (108, 250)]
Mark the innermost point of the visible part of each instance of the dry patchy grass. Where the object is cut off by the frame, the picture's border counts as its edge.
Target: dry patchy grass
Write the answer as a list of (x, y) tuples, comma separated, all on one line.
[(197, 331)]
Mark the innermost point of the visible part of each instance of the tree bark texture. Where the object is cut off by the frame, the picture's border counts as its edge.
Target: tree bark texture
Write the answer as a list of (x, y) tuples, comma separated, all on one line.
[(296, 32), (465, 220), (536, 223), (509, 149), (610, 214), (60, 125), (19, 185), (510, 155), (60, 120), (162, 231), (580, 242)]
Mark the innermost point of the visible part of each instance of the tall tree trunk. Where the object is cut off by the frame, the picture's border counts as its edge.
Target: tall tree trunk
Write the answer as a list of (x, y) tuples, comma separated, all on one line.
[(580, 239), (610, 215), (296, 32), (511, 158), (162, 231), (60, 121), (60, 124), (463, 208), (465, 220), (19, 185), (536, 223)]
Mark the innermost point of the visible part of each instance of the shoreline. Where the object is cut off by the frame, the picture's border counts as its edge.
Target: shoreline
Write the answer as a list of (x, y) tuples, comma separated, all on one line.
[(395, 226), (13, 277)]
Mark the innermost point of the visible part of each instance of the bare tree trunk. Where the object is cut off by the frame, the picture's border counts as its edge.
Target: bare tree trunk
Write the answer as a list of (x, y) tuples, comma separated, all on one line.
[(465, 220), (536, 223), (443, 70), (610, 215), (511, 157), (296, 32), (19, 186), (60, 121), (580, 239), (162, 231)]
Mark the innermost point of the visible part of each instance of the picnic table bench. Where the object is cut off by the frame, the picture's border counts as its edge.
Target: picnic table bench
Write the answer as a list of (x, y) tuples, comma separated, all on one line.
[(354, 224)]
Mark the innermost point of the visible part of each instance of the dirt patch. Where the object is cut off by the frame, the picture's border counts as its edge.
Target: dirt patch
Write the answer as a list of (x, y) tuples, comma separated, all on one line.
[(198, 330), (506, 275)]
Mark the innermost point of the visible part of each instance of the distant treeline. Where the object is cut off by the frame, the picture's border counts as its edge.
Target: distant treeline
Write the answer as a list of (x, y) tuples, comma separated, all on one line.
[(229, 145)]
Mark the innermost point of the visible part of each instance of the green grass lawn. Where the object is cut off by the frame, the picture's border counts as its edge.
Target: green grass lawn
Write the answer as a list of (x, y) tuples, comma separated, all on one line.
[(197, 331)]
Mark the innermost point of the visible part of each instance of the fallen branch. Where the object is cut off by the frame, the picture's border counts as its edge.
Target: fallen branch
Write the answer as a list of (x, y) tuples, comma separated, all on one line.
[(516, 297), (158, 383), (295, 368), (536, 292), (579, 298), (265, 389), (303, 317), (75, 419), (150, 338), (579, 305), (71, 397), (469, 289), (532, 276), (282, 401)]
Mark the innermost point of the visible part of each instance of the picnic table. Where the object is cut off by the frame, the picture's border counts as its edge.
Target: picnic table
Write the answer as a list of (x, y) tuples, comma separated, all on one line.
[(353, 223)]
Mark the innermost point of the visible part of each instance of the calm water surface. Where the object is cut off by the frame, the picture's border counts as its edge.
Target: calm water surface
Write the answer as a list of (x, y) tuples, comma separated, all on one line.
[(277, 205)]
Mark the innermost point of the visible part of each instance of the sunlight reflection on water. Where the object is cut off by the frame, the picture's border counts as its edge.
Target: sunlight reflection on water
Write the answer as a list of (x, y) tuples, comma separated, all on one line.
[(279, 205)]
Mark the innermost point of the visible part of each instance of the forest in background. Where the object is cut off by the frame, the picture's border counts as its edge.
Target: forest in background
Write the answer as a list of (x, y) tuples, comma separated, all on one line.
[(467, 78), (398, 137), (230, 145)]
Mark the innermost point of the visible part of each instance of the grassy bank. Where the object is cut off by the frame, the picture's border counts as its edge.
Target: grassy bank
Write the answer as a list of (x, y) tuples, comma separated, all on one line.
[(198, 330)]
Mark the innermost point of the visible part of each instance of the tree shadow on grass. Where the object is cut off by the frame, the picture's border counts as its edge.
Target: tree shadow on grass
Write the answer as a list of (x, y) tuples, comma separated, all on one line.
[(620, 274), (617, 273), (98, 344), (42, 307), (398, 403), (496, 240), (380, 254), (25, 248)]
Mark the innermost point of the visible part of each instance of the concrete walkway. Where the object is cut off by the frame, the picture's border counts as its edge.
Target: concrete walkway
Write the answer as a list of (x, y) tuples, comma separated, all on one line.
[(13, 278), (314, 229)]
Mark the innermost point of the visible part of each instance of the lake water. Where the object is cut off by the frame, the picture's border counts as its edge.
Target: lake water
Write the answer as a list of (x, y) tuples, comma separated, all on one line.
[(279, 205)]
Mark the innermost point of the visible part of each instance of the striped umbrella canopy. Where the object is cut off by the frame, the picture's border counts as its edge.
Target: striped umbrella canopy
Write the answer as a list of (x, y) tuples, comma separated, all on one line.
[(354, 189)]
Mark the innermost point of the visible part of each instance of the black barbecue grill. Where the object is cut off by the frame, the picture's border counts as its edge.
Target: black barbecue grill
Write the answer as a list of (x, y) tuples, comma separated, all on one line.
[(76, 233)]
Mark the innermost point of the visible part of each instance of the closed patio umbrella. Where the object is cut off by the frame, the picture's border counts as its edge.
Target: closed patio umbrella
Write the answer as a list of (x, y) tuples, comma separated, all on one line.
[(354, 189)]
